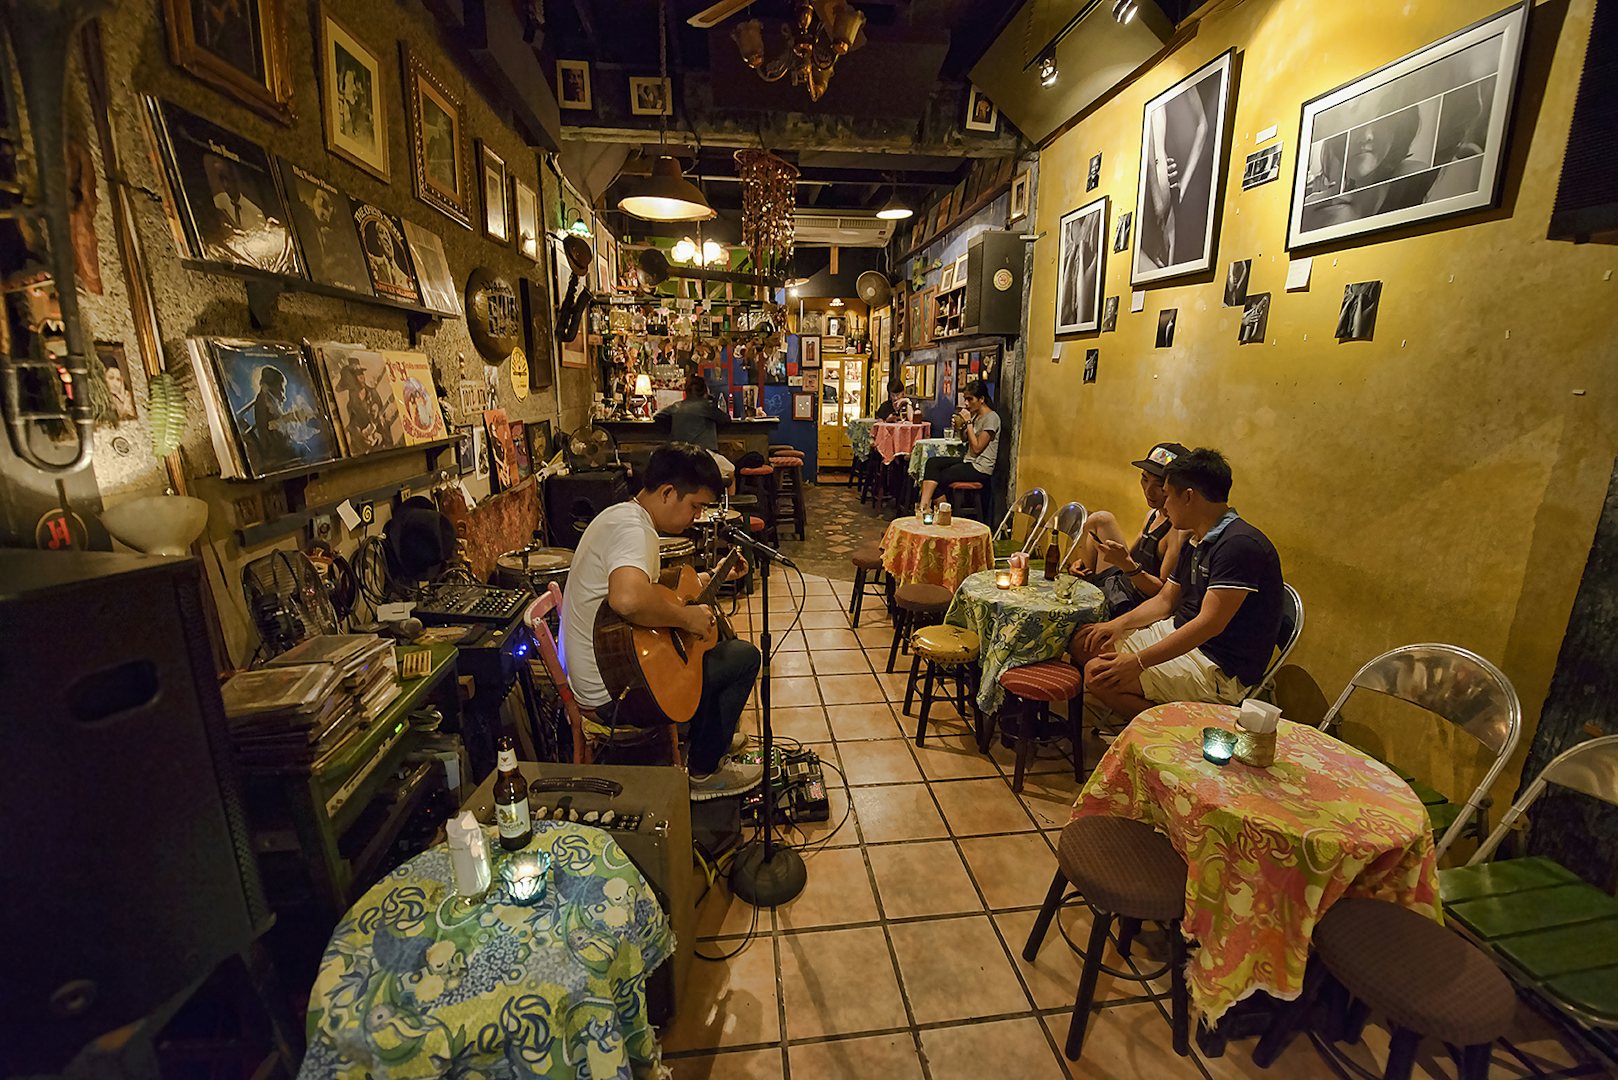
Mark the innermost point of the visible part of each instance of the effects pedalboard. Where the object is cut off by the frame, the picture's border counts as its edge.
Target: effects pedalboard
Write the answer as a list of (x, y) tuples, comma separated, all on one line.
[(456, 604), (796, 782)]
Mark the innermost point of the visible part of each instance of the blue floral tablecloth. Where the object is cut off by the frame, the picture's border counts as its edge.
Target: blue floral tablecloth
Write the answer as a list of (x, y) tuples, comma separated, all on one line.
[(927, 449), (411, 986), (859, 436), (1022, 625)]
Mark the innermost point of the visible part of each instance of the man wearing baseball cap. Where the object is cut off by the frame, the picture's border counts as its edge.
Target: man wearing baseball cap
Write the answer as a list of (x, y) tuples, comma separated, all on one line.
[(1127, 574)]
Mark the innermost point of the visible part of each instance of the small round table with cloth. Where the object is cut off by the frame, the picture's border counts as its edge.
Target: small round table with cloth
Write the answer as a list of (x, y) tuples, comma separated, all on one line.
[(1269, 850), (945, 555), (1021, 625), (894, 439), (412, 987), (927, 449), (859, 436)]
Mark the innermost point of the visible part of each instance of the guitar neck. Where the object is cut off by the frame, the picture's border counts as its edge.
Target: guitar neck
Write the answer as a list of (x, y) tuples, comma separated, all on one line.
[(720, 576)]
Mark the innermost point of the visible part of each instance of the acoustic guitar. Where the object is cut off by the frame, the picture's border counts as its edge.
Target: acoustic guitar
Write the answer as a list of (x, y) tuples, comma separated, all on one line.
[(655, 673)]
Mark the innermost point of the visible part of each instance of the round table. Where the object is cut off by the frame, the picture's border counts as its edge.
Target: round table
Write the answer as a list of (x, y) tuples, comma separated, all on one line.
[(917, 554), (411, 987), (927, 449), (859, 436), (1021, 625), (894, 439), (1269, 850)]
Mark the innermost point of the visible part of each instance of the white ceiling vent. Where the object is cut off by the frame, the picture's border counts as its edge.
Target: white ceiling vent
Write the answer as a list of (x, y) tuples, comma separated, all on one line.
[(841, 230)]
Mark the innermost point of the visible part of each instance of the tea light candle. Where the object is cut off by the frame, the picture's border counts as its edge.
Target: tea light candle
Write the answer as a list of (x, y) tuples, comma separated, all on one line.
[(927, 518), (1218, 745), (524, 877), (1002, 579)]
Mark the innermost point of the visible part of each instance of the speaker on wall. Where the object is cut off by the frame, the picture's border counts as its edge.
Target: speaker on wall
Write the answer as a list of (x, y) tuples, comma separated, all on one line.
[(124, 856), (573, 501), (1587, 196)]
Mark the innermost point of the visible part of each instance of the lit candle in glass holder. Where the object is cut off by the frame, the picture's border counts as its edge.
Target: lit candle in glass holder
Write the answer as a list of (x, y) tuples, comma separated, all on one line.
[(1218, 745), (1002, 579), (524, 877), (927, 517)]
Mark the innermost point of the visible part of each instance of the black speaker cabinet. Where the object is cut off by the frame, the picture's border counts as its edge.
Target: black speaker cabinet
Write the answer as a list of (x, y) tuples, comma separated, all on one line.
[(994, 263), (124, 856), (1587, 197), (573, 501)]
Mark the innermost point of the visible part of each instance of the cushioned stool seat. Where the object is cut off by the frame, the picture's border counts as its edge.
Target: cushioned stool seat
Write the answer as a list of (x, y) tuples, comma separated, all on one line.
[(971, 499), (786, 461), (923, 597), (868, 557), (948, 652), (915, 606), (1025, 716), (1052, 680), (867, 574), (756, 524), (945, 644)]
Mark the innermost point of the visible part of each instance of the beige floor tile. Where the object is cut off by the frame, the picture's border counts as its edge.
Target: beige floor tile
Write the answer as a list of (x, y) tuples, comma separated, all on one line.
[(885, 762), (955, 969), (1131, 1042), (838, 892), (974, 807), (804, 723), (897, 812), (1009, 1048), (874, 635), (780, 642), (824, 620), (849, 689), (1012, 871), (839, 982), (831, 639), (922, 879), (1048, 758), (840, 662), (1053, 977), (792, 692), (742, 1065), (890, 1057), (790, 663), (722, 915), (1050, 797), (873, 720), (893, 682), (1301, 1061), (950, 754), (825, 601), (728, 1003)]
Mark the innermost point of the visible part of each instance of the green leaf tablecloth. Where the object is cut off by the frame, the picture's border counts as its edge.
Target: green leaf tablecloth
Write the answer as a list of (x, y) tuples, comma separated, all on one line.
[(410, 986), (1022, 625), (859, 436), (927, 449)]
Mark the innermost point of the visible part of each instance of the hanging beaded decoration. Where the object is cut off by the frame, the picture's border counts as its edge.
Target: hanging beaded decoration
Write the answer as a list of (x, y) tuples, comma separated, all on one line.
[(769, 200)]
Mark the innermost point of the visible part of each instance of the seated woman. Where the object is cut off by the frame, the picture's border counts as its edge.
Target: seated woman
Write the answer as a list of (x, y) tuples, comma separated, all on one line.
[(898, 406), (978, 425), (1132, 574)]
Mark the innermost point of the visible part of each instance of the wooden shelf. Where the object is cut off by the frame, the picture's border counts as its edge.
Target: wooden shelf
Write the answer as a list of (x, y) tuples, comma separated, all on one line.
[(264, 291), (977, 204)]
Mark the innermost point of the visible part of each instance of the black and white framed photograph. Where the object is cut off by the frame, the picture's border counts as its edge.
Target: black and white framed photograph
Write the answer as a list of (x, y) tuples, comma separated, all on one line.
[(323, 220), (1255, 319), (492, 182), (1184, 136), (1357, 319), (1092, 361), (573, 84), (115, 377), (1236, 282), (981, 115), (1420, 138), (1080, 256), (1262, 166), (1120, 231), (1092, 180), (1109, 315), (650, 96), (1019, 196), (353, 106), (1165, 326), (525, 208)]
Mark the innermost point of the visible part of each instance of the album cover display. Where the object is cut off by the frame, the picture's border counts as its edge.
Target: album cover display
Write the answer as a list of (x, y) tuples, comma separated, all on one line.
[(387, 257), (417, 397), (323, 221), (360, 387), (266, 412), (432, 270)]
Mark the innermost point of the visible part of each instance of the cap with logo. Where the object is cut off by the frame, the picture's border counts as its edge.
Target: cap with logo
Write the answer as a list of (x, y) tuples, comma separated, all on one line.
[(1162, 455)]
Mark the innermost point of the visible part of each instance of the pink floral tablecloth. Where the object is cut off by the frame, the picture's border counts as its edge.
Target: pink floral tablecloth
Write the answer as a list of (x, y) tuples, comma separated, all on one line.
[(917, 554), (893, 440), (1269, 850)]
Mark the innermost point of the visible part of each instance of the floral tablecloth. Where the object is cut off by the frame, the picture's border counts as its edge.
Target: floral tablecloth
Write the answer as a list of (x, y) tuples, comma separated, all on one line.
[(1022, 625), (411, 987), (1269, 850), (927, 449), (894, 439), (917, 554), (859, 436)]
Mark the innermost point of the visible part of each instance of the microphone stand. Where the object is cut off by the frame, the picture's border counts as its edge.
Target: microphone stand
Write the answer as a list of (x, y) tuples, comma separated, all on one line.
[(765, 873)]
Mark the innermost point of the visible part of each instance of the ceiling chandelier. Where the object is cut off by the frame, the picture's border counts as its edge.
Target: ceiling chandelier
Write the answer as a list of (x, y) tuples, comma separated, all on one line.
[(821, 31)]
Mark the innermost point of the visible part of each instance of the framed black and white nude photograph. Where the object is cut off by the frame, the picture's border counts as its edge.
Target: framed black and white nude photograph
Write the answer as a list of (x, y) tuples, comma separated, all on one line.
[(573, 84), (1420, 138), (981, 115), (440, 150), (239, 48), (1184, 137), (650, 96), (353, 107), (1080, 260), (492, 184), (1019, 196)]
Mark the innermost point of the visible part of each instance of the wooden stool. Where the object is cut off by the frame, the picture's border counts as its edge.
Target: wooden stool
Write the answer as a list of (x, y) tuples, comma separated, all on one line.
[(947, 651), (759, 482), (915, 606), (868, 573), (789, 490), (970, 498), (1031, 689), (1124, 870), (867, 468)]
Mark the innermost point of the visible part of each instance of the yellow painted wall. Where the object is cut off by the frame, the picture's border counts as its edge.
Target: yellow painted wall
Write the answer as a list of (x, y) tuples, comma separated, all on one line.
[(1441, 482)]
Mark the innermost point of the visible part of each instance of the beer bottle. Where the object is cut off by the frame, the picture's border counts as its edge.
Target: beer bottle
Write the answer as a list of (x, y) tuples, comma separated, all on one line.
[(1053, 557), (511, 799)]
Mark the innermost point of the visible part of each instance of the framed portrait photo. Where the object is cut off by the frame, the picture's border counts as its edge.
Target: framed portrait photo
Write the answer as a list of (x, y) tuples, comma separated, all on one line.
[(981, 115), (1185, 132), (353, 107), (240, 49), (525, 207), (946, 277), (492, 186), (1081, 237), (650, 96), (440, 152), (1420, 138), (1019, 196), (803, 406), (809, 351), (573, 84)]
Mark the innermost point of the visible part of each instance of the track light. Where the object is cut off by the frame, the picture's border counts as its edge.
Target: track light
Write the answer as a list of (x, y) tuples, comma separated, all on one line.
[(1047, 69), (1124, 10)]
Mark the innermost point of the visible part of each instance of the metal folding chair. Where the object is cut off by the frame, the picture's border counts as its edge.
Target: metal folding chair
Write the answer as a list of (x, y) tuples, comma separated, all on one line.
[(1286, 641), (1034, 505)]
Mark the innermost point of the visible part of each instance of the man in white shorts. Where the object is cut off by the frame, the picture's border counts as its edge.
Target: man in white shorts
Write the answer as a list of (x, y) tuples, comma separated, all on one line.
[(1209, 634)]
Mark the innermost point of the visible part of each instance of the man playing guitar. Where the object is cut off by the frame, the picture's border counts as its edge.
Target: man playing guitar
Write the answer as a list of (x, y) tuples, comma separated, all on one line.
[(617, 561)]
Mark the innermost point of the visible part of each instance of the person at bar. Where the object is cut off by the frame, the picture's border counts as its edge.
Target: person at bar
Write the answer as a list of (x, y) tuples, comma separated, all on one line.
[(1209, 633), (695, 419), (978, 425), (898, 406), (1129, 573)]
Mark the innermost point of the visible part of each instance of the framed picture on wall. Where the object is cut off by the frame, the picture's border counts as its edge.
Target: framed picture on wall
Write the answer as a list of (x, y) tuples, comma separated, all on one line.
[(1080, 261), (353, 107), (946, 277), (803, 406), (1019, 195), (525, 208), (809, 350), (492, 184), (650, 96), (240, 49), (573, 84), (1184, 139), (811, 322), (981, 115), (440, 157), (1420, 138)]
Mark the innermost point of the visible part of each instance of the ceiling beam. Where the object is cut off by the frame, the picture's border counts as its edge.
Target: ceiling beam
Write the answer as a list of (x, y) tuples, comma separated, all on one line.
[(808, 132)]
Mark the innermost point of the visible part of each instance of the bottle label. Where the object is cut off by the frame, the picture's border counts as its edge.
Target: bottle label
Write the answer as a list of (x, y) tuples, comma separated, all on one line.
[(506, 761), (512, 818)]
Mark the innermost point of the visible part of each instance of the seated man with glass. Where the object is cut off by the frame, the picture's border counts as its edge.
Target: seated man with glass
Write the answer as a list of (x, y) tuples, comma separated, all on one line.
[(1209, 633), (1129, 573)]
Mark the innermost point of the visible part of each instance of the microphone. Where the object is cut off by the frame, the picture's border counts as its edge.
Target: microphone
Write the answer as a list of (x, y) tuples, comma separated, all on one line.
[(743, 539)]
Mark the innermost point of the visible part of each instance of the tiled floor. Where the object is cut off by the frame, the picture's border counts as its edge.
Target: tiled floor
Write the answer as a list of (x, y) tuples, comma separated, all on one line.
[(837, 524), (902, 957)]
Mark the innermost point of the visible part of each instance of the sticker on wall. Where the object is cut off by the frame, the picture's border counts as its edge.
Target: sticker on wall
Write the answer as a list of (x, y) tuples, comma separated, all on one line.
[(1262, 167), (1255, 319), (1109, 315), (519, 372), (1120, 231), (1092, 359), (1357, 320), (1094, 179), (1236, 282), (1002, 279), (1165, 327), (1298, 274), (1137, 300)]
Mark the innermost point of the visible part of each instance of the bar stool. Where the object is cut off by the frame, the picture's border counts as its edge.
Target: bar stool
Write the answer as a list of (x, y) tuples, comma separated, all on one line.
[(915, 606), (789, 489), (1128, 871), (970, 499), (868, 574), (948, 651), (759, 482), (1030, 692)]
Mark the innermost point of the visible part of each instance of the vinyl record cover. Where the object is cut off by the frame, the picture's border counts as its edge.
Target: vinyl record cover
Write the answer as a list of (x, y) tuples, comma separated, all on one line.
[(519, 448), (360, 387), (432, 270), (273, 406), (417, 396), (501, 451), (382, 240), (323, 221)]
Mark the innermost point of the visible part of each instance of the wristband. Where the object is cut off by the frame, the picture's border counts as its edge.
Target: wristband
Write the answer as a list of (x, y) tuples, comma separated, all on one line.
[(1132, 573), (1141, 662)]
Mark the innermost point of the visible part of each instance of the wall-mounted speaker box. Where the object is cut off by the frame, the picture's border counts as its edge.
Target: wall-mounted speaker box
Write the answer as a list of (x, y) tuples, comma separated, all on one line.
[(1587, 197)]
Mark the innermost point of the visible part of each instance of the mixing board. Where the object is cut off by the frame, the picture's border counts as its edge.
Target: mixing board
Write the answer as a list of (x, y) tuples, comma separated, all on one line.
[(450, 604)]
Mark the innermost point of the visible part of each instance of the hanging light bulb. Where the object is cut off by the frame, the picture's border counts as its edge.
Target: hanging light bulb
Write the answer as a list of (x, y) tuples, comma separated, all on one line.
[(712, 253), (666, 195), (684, 251), (1047, 69), (894, 210)]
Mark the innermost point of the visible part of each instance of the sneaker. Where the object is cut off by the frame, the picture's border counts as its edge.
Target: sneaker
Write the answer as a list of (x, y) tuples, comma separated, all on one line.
[(731, 778)]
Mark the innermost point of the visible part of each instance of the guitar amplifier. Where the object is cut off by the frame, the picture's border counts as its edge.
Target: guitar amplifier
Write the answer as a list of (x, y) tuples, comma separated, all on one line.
[(651, 821)]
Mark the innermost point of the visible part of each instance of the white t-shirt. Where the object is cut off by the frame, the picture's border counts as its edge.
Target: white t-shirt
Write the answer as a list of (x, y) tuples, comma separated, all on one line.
[(621, 535)]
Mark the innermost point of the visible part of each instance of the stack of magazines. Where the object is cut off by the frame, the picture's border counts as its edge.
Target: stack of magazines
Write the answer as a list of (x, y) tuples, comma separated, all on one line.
[(311, 699)]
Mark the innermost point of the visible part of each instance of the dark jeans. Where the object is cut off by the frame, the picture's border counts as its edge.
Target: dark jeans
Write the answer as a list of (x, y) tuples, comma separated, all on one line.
[(728, 673), (945, 471)]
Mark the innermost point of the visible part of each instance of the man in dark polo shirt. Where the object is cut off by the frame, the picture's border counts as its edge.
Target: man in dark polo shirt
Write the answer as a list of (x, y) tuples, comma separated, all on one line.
[(1210, 632)]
